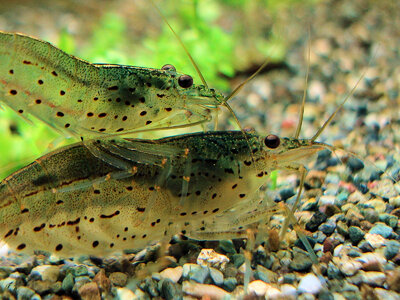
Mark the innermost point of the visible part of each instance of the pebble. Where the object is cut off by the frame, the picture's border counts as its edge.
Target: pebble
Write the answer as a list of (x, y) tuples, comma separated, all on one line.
[(355, 164), (375, 240), (118, 278), (24, 293), (328, 227), (257, 288), (327, 200), (301, 262), (391, 249), (378, 205), (288, 291), (349, 266), (203, 290), (389, 220), (127, 294), (89, 291), (102, 281), (227, 246), (195, 272), (80, 270), (395, 201), (173, 274), (217, 276), (356, 234), (46, 272), (265, 274), (230, 283), (373, 278), (68, 283), (208, 257), (381, 229), (309, 284), (316, 220)]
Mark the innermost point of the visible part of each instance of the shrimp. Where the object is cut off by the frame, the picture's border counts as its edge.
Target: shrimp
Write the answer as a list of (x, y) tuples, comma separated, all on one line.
[(70, 202), (91, 100)]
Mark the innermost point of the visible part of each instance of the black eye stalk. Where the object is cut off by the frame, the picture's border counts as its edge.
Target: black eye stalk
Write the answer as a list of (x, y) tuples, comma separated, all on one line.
[(168, 67), (272, 141), (185, 81)]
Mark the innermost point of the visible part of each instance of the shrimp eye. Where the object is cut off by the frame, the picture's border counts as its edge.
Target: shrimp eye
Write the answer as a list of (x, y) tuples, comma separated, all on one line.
[(168, 67), (185, 81), (272, 141)]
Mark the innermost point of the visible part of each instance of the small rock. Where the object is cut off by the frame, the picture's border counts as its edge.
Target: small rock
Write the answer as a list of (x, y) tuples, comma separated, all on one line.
[(309, 284), (170, 290), (316, 220), (288, 291), (333, 271), (342, 228), (227, 246), (355, 234), (375, 240), (46, 272), (127, 294), (40, 287), (389, 220), (381, 229), (89, 291), (371, 215), (395, 201), (355, 164), (328, 227), (301, 262), (230, 283), (265, 274), (80, 270), (102, 281), (286, 194), (374, 278), (349, 266), (391, 249), (217, 276), (24, 293), (174, 274), (80, 281), (118, 278), (393, 279), (257, 288), (68, 283), (195, 272), (289, 278), (208, 257), (203, 290)]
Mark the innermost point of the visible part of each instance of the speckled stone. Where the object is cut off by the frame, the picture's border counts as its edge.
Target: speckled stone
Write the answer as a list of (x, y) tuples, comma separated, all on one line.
[(118, 278), (381, 229), (89, 291), (355, 234)]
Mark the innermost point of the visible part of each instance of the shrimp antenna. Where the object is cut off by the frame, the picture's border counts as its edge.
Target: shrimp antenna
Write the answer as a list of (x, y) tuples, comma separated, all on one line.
[(303, 102), (327, 122), (182, 44)]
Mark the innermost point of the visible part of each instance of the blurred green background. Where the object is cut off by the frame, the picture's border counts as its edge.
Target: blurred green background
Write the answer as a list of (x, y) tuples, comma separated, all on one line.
[(229, 39), (225, 38)]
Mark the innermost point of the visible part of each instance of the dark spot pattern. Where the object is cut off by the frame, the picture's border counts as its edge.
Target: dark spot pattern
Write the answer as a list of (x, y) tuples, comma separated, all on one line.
[(38, 101), (95, 244), (116, 213), (21, 247), (13, 92), (60, 114), (59, 247)]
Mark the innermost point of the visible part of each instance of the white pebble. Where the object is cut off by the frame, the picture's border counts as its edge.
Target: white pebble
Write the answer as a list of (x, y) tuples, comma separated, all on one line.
[(208, 257), (375, 240), (203, 290), (173, 274), (309, 284)]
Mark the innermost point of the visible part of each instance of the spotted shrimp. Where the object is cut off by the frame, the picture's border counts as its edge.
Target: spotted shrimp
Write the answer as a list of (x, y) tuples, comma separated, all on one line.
[(70, 202)]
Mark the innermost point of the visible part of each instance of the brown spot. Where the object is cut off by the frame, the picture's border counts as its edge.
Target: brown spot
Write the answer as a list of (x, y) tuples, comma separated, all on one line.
[(148, 122), (124, 118), (116, 213), (168, 109), (102, 115), (113, 88), (132, 90), (183, 214), (9, 233), (148, 84), (79, 100), (140, 209), (40, 81), (38, 101), (20, 111), (230, 171), (215, 210), (194, 213), (91, 220), (59, 202), (25, 210), (133, 236), (120, 129), (126, 229), (144, 236), (129, 188), (127, 103), (261, 174), (198, 193), (60, 114), (11, 72), (62, 93), (27, 62), (111, 245), (205, 212), (59, 247), (95, 98), (213, 196), (13, 92), (39, 228), (21, 246), (143, 113), (153, 224), (242, 195), (234, 186), (142, 99), (118, 100), (247, 163), (102, 129), (95, 244), (89, 114), (67, 125), (74, 222), (54, 73), (160, 95), (202, 228)]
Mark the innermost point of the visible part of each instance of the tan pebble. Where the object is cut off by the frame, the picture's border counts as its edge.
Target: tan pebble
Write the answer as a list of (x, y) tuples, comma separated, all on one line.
[(118, 278), (102, 281), (377, 205), (395, 201), (89, 291), (374, 278), (393, 279), (173, 274), (203, 290), (47, 272), (375, 240), (127, 294), (210, 258), (349, 267), (257, 288)]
